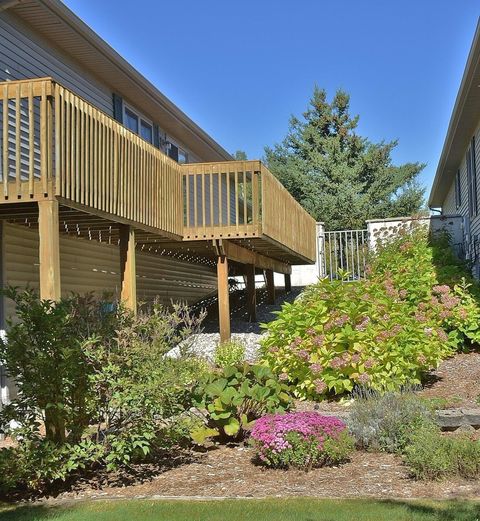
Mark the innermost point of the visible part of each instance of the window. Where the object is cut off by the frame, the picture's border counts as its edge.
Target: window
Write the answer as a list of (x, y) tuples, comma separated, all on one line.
[(131, 120), (146, 131), (182, 156), (458, 191), (177, 153), (472, 179), (136, 123)]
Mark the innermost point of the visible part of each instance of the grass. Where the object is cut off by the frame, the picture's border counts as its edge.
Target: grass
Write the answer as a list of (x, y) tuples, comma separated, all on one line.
[(244, 510)]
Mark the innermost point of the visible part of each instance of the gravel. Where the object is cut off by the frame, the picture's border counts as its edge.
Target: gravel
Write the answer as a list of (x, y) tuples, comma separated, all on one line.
[(248, 333)]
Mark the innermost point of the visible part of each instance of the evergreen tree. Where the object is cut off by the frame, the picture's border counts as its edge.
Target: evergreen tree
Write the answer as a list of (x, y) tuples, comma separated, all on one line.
[(338, 176)]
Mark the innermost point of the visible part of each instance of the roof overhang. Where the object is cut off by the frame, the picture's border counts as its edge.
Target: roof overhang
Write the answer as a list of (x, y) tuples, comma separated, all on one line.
[(59, 25), (463, 122)]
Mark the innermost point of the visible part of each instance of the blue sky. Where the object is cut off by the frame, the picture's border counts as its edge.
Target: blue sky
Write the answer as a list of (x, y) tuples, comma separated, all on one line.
[(241, 68)]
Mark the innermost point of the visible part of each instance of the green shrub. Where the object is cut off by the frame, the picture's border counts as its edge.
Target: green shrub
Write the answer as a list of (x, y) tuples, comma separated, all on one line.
[(384, 332), (233, 397), (100, 380), (229, 353), (431, 455), (387, 422)]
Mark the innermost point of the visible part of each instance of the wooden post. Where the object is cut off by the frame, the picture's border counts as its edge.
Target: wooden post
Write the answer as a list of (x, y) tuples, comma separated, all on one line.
[(270, 286), (128, 267), (251, 293), (223, 298), (49, 250), (288, 283)]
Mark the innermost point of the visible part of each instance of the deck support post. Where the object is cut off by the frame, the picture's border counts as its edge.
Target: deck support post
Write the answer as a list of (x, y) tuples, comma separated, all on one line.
[(128, 267), (288, 283), (49, 250), (251, 292), (223, 298), (270, 283)]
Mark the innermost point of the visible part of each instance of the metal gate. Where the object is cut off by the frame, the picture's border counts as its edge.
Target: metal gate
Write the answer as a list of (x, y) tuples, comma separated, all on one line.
[(344, 250)]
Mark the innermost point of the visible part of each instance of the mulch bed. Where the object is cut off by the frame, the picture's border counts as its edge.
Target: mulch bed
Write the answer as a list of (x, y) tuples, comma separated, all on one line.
[(457, 380), (230, 471)]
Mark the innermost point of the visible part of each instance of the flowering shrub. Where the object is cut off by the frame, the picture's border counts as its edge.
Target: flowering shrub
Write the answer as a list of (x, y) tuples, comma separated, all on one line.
[(411, 312), (301, 440)]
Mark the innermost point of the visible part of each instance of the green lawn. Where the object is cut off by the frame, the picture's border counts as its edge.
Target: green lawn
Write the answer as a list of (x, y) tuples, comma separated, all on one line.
[(245, 510)]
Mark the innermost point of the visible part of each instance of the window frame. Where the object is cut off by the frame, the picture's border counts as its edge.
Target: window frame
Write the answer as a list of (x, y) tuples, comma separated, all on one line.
[(472, 179), (140, 119), (458, 189)]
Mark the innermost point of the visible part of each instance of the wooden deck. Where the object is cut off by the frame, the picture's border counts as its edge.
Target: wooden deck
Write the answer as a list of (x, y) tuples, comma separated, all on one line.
[(243, 201), (57, 146)]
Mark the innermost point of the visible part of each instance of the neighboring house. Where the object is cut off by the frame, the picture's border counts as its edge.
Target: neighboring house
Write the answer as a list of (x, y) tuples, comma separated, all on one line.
[(457, 181), (106, 186)]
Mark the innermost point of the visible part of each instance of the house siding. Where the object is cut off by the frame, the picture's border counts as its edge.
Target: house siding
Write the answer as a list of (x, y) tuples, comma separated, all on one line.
[(90, 266), (24, 54), (471, 224)]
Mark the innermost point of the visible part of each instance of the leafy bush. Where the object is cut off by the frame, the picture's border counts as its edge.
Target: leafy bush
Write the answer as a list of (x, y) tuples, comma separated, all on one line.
[(233, 397), (301, 440), (100, 381), (387, 422), (229, 353), (431, 455), (383, 332)]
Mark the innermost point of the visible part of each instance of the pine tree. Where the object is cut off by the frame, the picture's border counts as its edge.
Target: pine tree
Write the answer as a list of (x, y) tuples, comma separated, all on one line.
[(340, 177)]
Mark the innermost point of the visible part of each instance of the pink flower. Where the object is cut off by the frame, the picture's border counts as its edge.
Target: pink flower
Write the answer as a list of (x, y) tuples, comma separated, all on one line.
[(283, 377), (338, 363), (311, 331), (303, 354), (273, 349), (441, 290), (361, 326), (270, 432), (403, 293), (422, 359), (318, 340), (462, 313), (320, 386), (364, 378), (370, 362), (355, 358), (442, 335), (316, 368)]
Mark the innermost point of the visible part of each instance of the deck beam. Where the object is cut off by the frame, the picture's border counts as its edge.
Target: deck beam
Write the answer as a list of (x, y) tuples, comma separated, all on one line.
[(251, 293), (223, 298), (288, 282), (270, 283), (128, 266), (49, 250), (245, 256)]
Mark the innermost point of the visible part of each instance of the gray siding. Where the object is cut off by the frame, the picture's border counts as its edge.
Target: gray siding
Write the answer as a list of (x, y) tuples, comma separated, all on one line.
[(24, 54), (472, 225), (90, 266)]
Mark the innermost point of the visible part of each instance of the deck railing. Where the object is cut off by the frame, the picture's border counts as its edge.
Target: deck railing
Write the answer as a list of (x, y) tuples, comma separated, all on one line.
[(54, 143), (242, 199)]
